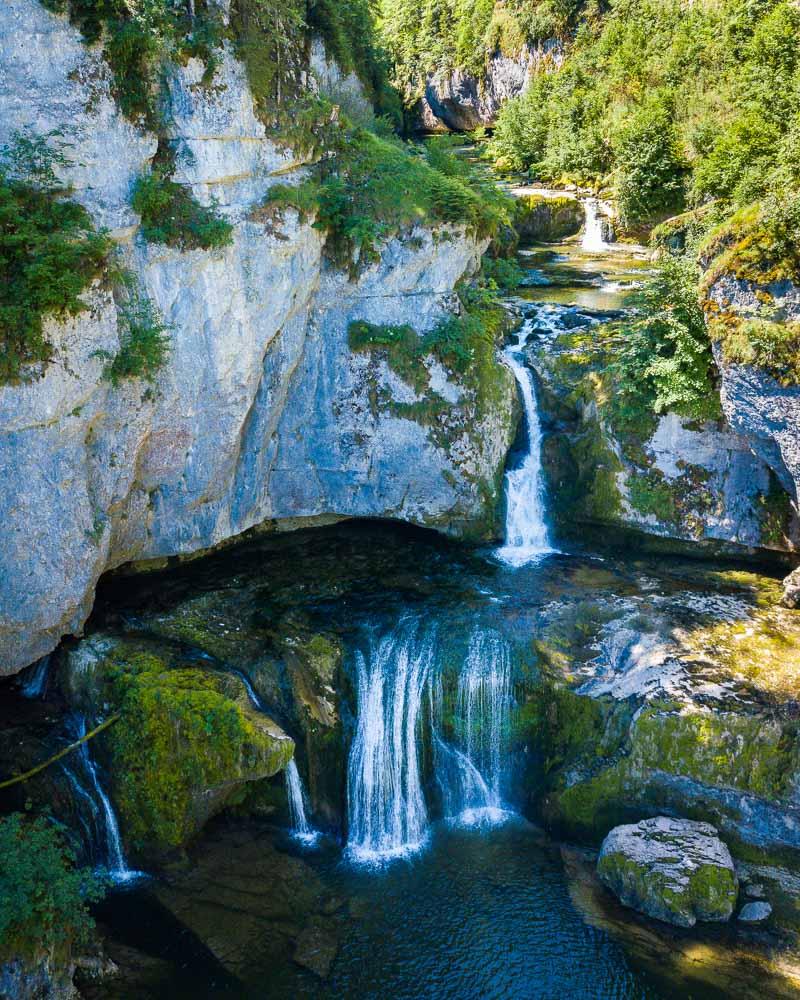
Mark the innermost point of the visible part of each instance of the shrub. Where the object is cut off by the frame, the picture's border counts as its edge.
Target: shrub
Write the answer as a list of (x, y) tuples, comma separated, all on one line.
[(144, 338), (43, 896), (650, 166), (171, 215), (49, 252)]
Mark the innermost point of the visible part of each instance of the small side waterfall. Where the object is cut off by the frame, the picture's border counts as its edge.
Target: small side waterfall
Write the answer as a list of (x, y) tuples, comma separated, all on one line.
[(36, 676), (386, 808), (102, 827), (301, 828), (592, 240), (527, 536)]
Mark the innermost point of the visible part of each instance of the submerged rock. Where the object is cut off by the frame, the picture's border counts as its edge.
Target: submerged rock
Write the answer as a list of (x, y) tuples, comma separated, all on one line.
[(753, 913), (675, 870)]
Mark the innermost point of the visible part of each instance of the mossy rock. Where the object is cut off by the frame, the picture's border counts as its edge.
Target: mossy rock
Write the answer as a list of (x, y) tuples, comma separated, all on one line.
[(547, 220), (187, 739), (675, 870)]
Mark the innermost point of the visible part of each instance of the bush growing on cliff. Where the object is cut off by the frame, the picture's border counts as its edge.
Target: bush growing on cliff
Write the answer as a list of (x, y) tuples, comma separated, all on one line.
[(144, 339), (666, 363), (43, 896), (171, 215), (373, 187), (49, 251)]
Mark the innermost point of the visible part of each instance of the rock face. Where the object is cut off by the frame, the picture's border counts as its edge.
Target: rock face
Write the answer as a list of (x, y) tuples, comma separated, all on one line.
[(461, 102), (541, 218), (680, 479), (674, 870), (262, 414)]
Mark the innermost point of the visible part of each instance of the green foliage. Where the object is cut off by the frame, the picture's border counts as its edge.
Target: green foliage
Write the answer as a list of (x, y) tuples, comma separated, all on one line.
[(666, 363), (649, 165), (427, 36), (656, 93), (144, 340), (43, 895), (137, 40), (372, 187), (49, 251), (171, 215)]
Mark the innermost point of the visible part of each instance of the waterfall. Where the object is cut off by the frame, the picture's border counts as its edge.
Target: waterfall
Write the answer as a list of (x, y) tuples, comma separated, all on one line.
[(36, 676), (387, 816), (527, 536), (301, 828), (482, 719), (102, 826), (592, 240)]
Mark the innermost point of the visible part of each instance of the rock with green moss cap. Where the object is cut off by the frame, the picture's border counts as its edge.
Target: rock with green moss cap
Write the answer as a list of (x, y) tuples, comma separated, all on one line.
[(187, 743), (675, 870)]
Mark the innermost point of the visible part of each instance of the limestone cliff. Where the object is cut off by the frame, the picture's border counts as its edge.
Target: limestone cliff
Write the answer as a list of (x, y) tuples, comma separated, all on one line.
[(262, 414)]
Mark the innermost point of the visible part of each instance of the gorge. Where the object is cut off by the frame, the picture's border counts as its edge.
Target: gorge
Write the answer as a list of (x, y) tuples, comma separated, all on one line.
[(392, 519)]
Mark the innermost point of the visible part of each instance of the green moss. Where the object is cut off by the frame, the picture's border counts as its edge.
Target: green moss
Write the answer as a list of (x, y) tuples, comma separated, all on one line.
[(722, 749), (186, 739), (548, 220), (763, 343), (650, 494), (777, 513)]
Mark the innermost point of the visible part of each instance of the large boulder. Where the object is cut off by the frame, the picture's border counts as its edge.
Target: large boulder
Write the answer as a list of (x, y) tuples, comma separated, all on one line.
[(675, 870)]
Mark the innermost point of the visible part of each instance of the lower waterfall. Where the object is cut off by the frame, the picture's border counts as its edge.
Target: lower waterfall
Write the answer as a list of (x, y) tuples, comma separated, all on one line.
[(387, 815), (387, 812), (527, 535), (301, 828)]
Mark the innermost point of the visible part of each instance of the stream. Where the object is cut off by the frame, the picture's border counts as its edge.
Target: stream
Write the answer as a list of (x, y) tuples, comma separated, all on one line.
[(433, 883)]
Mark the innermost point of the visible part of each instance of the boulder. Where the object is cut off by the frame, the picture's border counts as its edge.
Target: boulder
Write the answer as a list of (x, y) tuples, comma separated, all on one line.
[(791, 590), (754, 913), (675, 870)]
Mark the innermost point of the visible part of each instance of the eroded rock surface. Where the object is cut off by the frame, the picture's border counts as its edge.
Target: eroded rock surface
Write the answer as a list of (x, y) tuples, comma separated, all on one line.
[(262, 414)]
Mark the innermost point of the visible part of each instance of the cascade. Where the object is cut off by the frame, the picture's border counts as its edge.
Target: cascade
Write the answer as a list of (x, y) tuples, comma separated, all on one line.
[(102, 827), (527, 536), (36, 676), (301, 828), (592, 240), (386, 809), (474, 769)]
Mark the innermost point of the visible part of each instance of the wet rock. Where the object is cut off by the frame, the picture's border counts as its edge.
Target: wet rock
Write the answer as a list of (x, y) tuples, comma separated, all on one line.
[(791, 590), (675, 870), (754, 890), (316, 948), (547, 219), (754, 913)]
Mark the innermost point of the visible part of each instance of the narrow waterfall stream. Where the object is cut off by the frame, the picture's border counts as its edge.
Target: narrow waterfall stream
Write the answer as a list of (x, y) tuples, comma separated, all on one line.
[(301, 828), (527, 535), (81, 772)]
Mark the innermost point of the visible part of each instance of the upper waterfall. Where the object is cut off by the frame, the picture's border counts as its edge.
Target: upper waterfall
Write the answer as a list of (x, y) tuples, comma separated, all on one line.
[(527, 534), (592, 240)]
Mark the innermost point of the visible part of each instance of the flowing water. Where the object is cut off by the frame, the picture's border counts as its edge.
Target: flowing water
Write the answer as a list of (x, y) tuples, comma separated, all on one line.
[(527, 536), (592, 240), (35, 680), (433, 884), (301, 828), (102, 826), (387, 816)]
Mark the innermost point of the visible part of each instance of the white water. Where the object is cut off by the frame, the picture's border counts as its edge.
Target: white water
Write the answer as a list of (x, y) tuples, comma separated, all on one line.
[(301, 828), (103, 815), (592, 240), (35, 684), (527, 535), (386, 809)]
